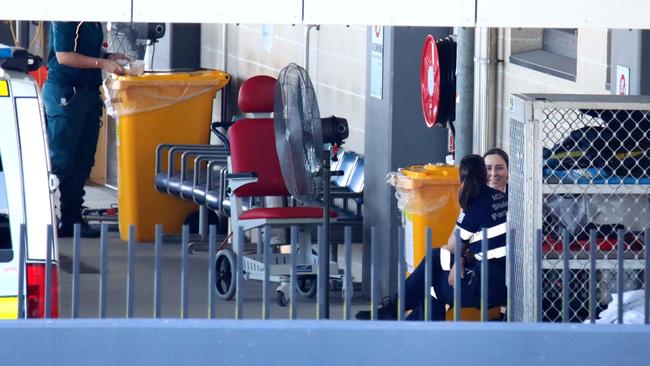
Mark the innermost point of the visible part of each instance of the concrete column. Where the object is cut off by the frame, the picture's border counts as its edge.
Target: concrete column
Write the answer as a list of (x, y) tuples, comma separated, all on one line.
[(465, 88), (395, 136)]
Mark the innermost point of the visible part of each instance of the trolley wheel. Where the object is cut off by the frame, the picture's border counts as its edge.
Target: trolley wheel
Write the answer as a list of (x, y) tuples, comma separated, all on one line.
[(307, 286), (281, 298), (225, 279)]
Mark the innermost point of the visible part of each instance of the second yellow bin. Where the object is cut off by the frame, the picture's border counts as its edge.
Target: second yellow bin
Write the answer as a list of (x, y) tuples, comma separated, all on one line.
[(152, 109), (429, 199)]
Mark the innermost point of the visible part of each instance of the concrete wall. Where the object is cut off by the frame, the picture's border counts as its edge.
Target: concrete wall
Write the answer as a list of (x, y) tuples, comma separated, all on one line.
[(337, 64), (591, 78)]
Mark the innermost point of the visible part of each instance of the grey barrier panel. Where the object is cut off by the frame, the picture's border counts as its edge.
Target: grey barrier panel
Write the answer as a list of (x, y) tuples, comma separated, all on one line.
[(157, 270), (103, 270), (131, 272), (321, 312), (75, 269), (428, 268), (620, 273), (185, 289), (255, 342), (348, 288), (646, 275), (566, 281), (592, 276), (22, 241), (485, 300), (320, 289), (266, 248), (373, 273), (48, 270), (457, 255), (401, 274), (511, 242), (239, 268), (539, 274), (293, 279), (212, 256)]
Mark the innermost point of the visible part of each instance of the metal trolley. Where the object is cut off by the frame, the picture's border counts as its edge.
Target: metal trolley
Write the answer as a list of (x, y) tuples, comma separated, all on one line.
[(580, 173)]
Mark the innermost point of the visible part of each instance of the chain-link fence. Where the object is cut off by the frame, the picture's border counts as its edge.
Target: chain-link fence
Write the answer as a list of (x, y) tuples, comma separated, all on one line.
[(581, 166)]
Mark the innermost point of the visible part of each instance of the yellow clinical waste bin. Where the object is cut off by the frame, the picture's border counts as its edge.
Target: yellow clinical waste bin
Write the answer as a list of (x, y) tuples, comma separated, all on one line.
[(427, 195), (152, 109)]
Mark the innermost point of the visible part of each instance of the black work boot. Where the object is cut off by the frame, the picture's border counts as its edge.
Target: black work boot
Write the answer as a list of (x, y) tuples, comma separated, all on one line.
[(386, 311), (66, 230)]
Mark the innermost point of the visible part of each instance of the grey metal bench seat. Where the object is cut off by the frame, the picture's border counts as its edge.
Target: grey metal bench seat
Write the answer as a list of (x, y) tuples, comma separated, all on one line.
[(347, 186), (190, 181)]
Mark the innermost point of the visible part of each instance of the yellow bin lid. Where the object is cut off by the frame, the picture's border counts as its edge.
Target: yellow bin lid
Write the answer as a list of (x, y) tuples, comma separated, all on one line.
[(434, 172), (142, 93), (212, 78), (429, 174)]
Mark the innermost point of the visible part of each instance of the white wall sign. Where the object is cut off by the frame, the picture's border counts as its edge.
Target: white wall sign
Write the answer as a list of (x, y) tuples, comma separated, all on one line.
[(377, 61), (622, 80)]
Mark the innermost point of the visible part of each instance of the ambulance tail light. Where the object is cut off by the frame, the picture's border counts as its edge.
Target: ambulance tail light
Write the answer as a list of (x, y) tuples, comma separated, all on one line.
[(36, 290)]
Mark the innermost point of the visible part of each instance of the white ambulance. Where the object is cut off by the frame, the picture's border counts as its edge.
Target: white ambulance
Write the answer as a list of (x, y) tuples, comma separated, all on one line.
[(26, 192)]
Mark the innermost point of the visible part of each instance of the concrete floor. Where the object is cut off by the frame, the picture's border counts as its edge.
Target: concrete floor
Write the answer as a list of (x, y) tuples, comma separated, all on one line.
[(99, 197)]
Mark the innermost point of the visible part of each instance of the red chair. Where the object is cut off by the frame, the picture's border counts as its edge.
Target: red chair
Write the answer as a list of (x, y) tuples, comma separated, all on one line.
[(254, 171)]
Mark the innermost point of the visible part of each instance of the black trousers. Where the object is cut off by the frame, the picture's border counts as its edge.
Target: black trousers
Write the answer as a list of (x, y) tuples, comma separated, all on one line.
[(415, 293)]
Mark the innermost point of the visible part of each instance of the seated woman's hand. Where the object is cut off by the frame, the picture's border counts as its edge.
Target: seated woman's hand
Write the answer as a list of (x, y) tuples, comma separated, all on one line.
[(452, 273)]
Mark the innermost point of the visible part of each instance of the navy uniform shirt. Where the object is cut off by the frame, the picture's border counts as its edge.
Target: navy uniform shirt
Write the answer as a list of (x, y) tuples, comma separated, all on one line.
[(488, 210), (85, 38)]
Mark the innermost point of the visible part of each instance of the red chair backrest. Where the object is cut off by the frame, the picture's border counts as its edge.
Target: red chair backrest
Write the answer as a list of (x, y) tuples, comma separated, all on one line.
[(256, 94), (252, 141)]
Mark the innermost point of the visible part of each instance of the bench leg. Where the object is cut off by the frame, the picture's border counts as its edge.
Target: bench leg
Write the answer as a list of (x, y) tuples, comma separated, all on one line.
[(203, 223)]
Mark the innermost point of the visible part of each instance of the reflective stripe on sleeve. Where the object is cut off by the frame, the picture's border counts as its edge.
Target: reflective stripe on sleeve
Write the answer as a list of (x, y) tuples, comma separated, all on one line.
[(465, 234), (492, 232), (492, 253)]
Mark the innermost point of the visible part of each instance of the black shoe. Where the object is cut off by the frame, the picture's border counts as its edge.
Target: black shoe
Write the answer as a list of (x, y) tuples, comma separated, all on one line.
[(386, 311), (67, 231)]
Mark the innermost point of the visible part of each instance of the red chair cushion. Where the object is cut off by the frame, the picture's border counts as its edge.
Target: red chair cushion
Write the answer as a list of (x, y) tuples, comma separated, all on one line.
[(252, 150), (285, 213), (256, 94)]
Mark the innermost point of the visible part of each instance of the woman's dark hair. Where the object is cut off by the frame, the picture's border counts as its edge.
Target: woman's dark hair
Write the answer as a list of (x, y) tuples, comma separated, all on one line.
[(473, 177), (500, 152)]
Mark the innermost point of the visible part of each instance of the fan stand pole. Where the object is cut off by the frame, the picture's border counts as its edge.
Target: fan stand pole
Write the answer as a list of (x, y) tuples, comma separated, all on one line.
[(324, 250)]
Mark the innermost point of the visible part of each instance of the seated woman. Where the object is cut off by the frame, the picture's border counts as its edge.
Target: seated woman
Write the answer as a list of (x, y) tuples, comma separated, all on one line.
[(482, 207)]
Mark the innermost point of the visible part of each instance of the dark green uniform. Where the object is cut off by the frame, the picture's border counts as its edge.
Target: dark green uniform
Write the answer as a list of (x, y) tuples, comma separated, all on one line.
[(73, 108)]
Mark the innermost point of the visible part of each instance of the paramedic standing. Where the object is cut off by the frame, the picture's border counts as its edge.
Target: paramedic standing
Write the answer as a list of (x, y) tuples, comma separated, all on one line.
[(73, 108)]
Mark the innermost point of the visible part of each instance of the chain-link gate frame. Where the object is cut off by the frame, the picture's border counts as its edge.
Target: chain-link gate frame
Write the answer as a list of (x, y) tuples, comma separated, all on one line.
[(578, 163)]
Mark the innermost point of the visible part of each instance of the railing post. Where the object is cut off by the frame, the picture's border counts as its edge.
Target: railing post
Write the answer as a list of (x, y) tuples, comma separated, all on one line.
[(566, 285), (293, 279), (592, 276), (373, 273), (539, 275), (485, 299), (428, 269), (348, 287), (22, 241), (156, 272), (131, 272), (266, 248), (401, 273), (75, 269), (457, 280), (212, 292), (103, 269), (48, 269), (620, 269)]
